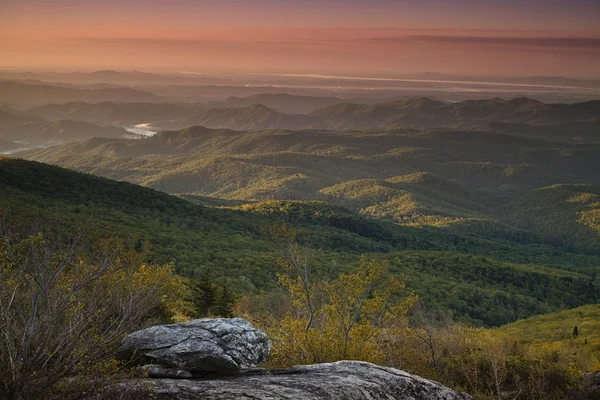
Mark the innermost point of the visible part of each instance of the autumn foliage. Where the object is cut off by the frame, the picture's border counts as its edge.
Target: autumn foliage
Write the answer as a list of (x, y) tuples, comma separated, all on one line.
[(65, 304)]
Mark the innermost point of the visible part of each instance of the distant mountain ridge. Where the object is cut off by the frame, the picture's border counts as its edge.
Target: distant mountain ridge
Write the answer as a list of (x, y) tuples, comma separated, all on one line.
[(19, 130), (113, 113), (427, 112), (281, 102), (318, 159), (254, 117), (418, 112), (24, 95), (7, 145), (518, 116)]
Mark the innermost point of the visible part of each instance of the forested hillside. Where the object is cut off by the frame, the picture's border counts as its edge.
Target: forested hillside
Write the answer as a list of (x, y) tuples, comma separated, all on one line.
[(484, 281), (526, 117), (486, 184), (559, 327), (19, 130)]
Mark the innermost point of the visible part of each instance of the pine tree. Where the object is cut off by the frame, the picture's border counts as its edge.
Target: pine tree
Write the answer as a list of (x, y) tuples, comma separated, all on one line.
[(203, 293), (224, 302)]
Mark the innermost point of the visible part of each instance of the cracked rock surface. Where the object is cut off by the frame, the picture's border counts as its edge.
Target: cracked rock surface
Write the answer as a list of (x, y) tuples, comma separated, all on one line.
[(347, 380), (204, 345), (213, 359)]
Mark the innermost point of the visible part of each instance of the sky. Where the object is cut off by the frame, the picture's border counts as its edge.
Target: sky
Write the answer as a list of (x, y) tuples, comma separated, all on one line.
[(385, 37)]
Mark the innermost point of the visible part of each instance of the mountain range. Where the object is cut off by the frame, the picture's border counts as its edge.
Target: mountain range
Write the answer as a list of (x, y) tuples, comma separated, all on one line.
[(282, 102), (19, 130), (483, 280), (522, 113), (20, 94), (457, 179), (113, 113), (525, 117)]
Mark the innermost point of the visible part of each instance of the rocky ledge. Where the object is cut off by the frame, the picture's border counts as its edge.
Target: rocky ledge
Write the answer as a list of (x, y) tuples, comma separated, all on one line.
[(343, 380), (214, 359)]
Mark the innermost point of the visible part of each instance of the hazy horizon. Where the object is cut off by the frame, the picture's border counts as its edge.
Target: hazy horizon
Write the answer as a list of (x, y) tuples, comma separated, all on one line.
[(382, 37)]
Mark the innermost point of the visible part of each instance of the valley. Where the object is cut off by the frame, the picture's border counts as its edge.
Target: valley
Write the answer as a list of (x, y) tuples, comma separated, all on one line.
[(487, 210), (312, 200)]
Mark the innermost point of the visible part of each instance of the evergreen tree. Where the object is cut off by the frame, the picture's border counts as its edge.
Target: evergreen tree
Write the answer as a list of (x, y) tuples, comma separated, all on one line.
[(224, 302), (203, 293)]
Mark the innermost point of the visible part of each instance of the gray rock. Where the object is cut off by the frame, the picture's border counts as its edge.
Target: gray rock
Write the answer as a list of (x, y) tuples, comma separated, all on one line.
[(208, 345), (158, 371), (592, 380), (347, 380)]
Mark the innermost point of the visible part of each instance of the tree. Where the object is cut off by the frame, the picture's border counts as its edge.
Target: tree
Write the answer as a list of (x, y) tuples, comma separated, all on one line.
[(361, 304), (224, 302), (65, 303), (209, 298), (296, 262), (203, 293), (344, 318), (432, 329)]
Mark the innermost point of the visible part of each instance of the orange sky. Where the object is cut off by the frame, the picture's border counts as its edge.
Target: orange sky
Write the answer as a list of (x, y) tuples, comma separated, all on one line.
[(554, 37)]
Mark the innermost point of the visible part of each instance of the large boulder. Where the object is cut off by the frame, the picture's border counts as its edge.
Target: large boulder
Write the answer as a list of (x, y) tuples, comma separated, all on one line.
[(199, 346), (344, 380)]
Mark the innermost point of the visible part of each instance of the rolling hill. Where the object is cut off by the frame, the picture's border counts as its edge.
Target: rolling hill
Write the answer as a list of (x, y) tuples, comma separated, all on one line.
[(253, 117), (465, 273), (232, 164), (583, 131), (31, 131), (283, 102), (112, 113), (21, 94), (565, 213), (555, 330), (8, 145), (413, 198), (468, 113), (524, 117), (520, 117), (23, 131), (474, 182)]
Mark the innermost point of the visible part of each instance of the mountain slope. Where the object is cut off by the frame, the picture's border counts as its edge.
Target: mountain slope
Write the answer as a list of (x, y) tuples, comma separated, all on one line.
[(282, 102), (468, 113), (444, 268), (112, 113), (519, 116), (32, 131), (238, 164), (8, 145), (24, 95), (565, 213), (556, 329), (414, 198), (254, 117), (461, 180), (582, 131)]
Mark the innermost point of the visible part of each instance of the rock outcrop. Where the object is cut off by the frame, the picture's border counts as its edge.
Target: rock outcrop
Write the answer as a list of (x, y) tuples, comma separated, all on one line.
[(593, 380), (213, 359), (344, 380), (219, 345)]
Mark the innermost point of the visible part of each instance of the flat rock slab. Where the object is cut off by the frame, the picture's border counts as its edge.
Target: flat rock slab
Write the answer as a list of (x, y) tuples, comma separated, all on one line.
[(347, 380), (203, 345)]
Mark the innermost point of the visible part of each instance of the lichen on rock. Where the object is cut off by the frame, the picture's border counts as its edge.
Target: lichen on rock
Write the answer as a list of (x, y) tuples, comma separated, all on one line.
[(202, 345)]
